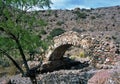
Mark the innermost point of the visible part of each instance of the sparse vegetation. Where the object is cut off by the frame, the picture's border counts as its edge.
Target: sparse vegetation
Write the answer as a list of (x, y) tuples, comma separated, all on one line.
[(81, 15), (59, 23), (23, 34), (78, 30), (56, 15), (56, 32), (93, 17), (78, 56), (82, 54)]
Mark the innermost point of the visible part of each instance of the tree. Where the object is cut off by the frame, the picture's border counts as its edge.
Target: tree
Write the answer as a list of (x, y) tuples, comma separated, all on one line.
[(16, 31)]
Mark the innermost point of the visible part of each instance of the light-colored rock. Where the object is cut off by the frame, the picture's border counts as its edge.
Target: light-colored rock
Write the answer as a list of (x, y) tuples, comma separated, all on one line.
[(100, 77)]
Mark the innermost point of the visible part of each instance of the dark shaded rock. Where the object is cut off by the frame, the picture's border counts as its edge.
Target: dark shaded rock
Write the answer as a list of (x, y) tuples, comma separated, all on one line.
[(65, 63), (59, 52)]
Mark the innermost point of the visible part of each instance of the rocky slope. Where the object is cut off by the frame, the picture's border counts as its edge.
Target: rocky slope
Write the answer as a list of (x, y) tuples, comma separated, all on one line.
[(106, 71), (100, 19), (104, 25)]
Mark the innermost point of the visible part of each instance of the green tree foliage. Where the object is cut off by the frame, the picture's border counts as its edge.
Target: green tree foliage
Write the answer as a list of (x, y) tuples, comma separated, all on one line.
[(16, 31)]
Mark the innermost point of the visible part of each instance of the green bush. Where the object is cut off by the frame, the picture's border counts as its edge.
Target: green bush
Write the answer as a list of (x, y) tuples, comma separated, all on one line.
[(59, 23), (56, 32), (81, 14), (82, 54), (93, 17)]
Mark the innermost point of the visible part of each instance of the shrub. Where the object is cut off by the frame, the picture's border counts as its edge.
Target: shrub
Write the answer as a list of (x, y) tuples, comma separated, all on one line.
[(56, 32), (114, 37), (82, 54), (93, 17), (59, 23), (56, 15), (78, 30), (81, 14)]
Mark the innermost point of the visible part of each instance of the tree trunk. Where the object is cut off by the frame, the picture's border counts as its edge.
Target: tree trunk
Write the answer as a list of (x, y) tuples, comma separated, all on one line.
[(14, 62), (22, 54)]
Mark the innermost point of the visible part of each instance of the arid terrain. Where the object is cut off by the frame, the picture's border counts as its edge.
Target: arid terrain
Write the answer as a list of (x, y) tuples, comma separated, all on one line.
[(91, 40)]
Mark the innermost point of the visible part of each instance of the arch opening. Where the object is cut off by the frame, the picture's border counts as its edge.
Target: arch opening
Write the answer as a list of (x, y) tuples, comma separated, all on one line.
[(58, 53), (62, 43), (58, 60)]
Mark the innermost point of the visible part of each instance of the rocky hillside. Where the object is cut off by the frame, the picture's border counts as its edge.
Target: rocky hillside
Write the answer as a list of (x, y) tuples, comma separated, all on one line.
[(101, 19), (100, 25)]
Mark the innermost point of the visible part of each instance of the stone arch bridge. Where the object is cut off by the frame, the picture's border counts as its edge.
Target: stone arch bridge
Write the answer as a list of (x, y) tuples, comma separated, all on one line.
[(54, 57), (64, 41), (104, 48)]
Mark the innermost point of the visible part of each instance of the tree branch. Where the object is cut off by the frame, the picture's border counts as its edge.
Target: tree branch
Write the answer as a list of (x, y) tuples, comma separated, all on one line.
[(22, 54), (18, 44), (14, 62), (8, 33)]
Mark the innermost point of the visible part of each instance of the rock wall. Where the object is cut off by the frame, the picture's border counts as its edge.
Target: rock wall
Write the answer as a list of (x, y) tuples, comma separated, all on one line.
[(103, 49)]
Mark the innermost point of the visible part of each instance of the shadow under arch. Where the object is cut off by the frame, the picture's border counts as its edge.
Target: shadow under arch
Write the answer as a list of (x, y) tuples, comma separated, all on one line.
[(58, 53), (57, 61)]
